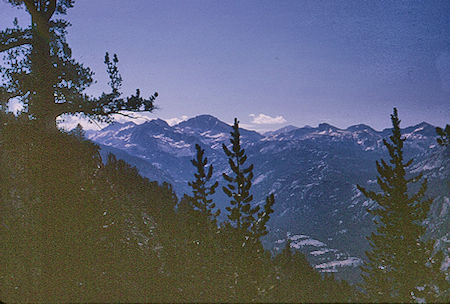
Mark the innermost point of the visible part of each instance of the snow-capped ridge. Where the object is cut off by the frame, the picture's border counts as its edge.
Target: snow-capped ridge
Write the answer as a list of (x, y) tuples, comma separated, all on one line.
[(158, 122), (360, 127), (203, 122)]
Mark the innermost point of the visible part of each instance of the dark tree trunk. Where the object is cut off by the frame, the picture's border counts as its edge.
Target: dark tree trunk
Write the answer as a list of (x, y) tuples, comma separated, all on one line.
[(42, 100)]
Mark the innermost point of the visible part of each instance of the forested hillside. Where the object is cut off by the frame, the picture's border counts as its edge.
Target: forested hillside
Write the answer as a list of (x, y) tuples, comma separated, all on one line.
[(79, 223), (76, 229)]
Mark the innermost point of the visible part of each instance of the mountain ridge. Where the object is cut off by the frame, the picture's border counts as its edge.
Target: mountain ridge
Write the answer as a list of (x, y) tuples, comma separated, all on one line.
[(202, 121)]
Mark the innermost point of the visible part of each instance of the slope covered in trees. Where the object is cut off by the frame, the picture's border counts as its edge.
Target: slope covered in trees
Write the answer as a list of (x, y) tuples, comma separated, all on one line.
[(75, 229)]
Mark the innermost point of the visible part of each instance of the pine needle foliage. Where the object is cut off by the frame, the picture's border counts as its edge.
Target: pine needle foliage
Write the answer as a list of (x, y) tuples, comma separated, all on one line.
[(200, 190), (241, 214), (39, 70)]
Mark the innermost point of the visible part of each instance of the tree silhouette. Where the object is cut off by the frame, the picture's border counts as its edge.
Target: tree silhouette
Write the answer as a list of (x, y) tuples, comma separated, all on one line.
[(41, 72), (397, 267), (200, 190), (241, 213)]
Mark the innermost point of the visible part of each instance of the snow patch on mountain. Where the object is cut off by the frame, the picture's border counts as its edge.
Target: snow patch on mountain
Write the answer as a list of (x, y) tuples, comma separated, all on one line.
[(260, 178), (322, 257), (322, 251), (331, 266), (309, 242)]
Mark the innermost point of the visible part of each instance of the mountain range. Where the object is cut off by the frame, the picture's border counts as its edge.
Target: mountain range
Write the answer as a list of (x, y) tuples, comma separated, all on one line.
[(313, 172)]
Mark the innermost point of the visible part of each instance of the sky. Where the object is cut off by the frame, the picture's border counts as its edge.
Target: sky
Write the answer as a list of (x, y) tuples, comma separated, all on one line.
[(271, 63)]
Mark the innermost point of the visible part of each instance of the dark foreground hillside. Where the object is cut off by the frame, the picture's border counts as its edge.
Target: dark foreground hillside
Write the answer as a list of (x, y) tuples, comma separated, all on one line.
[(76, 229)]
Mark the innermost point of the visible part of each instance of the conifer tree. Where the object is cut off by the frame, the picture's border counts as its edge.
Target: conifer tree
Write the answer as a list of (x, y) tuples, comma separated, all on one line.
[(200, 190), (198, 278), (241, 213), (398, 269), (247, 266), (78, 132), (40, 71)]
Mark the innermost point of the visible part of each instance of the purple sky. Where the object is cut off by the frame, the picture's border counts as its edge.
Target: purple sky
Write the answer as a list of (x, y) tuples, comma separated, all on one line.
[(299, 62)]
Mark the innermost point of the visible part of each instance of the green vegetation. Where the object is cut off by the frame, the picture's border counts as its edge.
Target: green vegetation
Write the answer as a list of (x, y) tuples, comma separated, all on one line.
[(76, 228), (401, 266)]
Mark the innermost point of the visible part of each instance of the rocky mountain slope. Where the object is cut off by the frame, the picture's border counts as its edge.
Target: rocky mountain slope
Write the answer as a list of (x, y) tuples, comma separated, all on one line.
[(312, 171)]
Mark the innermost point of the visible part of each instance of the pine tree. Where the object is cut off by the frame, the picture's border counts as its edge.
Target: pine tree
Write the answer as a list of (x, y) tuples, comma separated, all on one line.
[(397, 267), (78, 132), (40, 70), (197, 279), (200, 190), (248, 274), (241, 213)]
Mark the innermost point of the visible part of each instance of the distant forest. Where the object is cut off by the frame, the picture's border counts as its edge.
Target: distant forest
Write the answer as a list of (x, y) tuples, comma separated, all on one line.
[(75, 228)]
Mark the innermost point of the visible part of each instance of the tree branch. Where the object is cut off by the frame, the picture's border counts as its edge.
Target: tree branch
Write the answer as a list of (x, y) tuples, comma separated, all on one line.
[(103, 107), (13, 44), (31, 7), (11, 38), (50, 10)]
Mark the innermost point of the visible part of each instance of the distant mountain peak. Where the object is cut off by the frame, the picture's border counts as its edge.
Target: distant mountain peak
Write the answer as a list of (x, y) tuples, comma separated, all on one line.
[(325, 126), (422, 128), (205, 117), (424, 125), (158, 122), (204, 121), (360, 127)]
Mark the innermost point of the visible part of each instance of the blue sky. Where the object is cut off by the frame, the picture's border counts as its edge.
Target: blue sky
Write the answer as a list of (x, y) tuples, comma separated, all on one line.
[(272, 63)]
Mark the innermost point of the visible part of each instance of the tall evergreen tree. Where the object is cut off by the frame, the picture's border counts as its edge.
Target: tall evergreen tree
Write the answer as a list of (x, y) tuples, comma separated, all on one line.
[(241, 213), (41, 72), (398, 263), (247, 265), (198, 279), (200, 190)]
